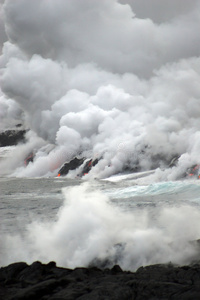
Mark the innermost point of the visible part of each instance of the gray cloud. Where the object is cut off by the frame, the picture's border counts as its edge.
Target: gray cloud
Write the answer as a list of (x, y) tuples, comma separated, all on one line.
[(105, 33), (3, 36), (96, 76), (160, 11)]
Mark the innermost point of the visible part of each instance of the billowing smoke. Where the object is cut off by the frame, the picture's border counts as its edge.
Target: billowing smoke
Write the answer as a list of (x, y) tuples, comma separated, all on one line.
[(104, 78)]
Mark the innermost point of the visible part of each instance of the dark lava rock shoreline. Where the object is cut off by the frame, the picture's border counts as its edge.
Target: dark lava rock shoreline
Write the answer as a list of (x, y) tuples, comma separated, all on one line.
[(20, 281)]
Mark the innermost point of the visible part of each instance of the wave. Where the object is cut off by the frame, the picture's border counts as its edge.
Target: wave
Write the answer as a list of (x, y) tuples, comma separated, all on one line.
[(90, 229)]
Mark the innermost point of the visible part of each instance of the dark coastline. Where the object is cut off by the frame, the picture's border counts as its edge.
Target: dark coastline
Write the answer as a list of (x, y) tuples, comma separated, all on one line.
[(20, 281)]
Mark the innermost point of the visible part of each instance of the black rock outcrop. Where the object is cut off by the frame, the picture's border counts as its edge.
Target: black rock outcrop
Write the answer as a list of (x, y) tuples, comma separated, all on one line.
[(11, 137), (88, 166), (71, 165), (77, 162), (20, 281)]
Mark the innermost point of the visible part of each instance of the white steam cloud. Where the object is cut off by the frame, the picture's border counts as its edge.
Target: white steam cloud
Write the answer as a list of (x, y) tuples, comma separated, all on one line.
[(104, 77), (89, 230)]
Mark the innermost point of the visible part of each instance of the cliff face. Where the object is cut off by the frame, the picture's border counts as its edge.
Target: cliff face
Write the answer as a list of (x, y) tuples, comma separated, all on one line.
[(20, 281)]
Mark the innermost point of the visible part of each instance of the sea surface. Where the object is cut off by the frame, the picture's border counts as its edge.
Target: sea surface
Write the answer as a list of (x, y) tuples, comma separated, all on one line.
[(126, 219)]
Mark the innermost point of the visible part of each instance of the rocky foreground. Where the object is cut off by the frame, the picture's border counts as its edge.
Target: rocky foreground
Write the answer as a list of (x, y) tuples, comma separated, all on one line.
[(20, 281)]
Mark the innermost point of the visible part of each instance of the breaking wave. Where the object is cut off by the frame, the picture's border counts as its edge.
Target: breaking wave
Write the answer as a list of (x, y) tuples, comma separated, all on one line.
[(89, 229)]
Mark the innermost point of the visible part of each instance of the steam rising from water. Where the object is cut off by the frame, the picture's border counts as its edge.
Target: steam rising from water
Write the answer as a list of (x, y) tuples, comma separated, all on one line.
[(88, 229), (104, 78)]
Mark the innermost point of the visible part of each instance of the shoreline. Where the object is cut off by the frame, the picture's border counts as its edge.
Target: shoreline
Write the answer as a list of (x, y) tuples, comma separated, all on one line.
[(20, 281)]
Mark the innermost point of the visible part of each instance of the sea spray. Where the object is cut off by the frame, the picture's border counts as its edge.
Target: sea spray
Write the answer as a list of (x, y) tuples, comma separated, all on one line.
[(90, 230)]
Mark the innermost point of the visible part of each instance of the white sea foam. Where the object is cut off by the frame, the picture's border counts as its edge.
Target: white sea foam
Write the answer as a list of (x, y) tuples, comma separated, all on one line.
[(89, 229)]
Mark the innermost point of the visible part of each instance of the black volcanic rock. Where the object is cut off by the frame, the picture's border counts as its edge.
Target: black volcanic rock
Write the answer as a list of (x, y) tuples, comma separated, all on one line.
[(88, 166), (11, 137), (72, 165), (75, 163), (20, 281)]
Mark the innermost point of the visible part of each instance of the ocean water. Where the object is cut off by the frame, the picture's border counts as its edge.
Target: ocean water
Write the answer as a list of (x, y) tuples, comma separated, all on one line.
[(126, 219)]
